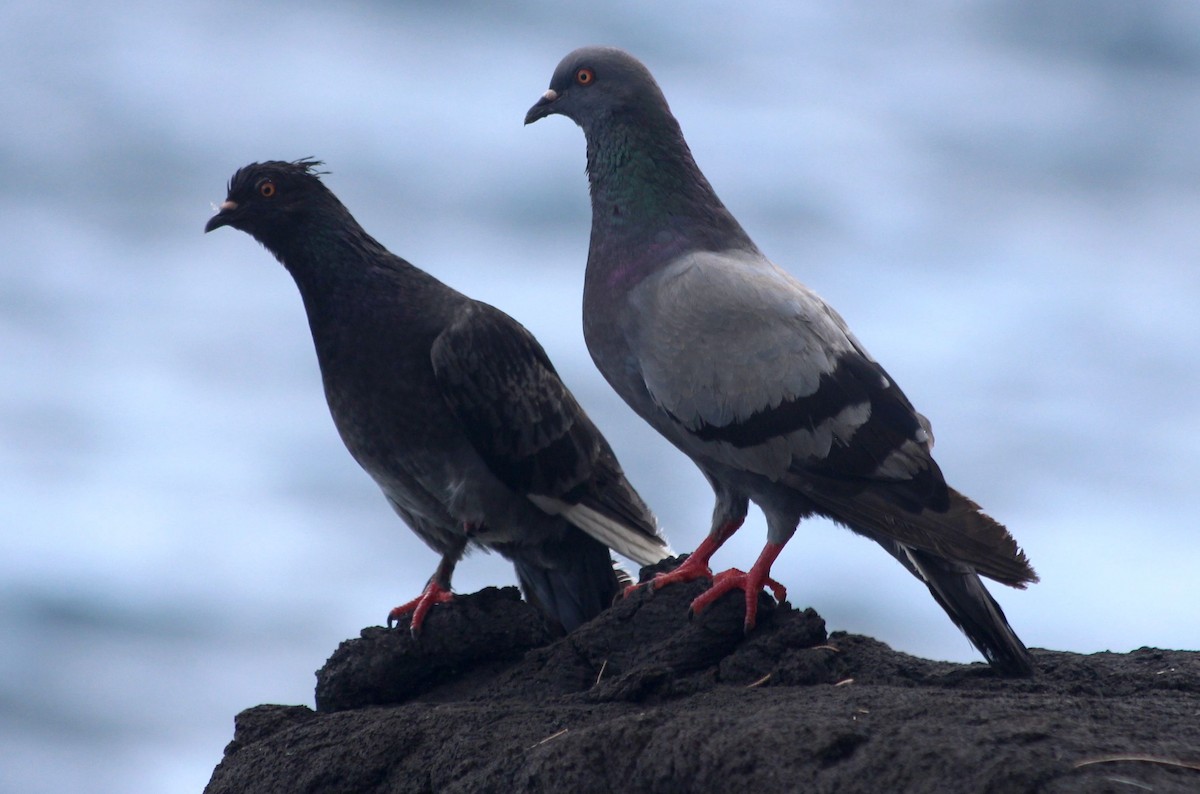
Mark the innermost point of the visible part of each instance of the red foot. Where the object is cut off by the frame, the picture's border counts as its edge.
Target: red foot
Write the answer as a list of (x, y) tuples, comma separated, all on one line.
[(693, 568), (696, 565), (751, 582), (420, 606)]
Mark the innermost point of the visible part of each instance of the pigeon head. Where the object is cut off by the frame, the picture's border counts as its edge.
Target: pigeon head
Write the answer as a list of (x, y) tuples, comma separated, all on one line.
[(592, 84), (649, 199), (267, 200)]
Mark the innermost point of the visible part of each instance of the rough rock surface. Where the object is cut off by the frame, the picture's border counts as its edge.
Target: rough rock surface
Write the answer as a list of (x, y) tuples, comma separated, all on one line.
[(644, 700)]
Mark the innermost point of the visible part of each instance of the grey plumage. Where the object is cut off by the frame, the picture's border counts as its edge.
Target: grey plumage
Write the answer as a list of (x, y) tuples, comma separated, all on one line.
[(751, 374), (450, 405)]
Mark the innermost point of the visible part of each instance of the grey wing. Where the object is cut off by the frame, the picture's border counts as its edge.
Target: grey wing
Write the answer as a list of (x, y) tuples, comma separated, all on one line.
[(759, 373), (533, 435)]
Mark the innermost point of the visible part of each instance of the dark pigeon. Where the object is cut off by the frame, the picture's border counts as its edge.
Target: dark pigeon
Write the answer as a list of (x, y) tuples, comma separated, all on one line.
[(450, 405), (751, 374)]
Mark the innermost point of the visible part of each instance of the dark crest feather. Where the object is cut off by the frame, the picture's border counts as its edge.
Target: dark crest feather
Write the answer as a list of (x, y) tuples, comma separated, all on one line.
[(305, 166)]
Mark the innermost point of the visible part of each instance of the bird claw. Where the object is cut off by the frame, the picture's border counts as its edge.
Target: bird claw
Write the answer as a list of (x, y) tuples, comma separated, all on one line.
[(419, 607), (693, 568), (751, 583)]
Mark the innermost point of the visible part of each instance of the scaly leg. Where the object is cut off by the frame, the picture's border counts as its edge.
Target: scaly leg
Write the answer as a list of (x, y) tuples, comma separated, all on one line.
[(437, 591), (420, 606), (751, 582), (696, 565)]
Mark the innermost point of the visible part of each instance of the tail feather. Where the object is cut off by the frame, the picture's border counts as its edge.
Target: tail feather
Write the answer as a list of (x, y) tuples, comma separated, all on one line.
[(948, 549), (642, 548), (961, 532), (961, 593), (640, 541), (571, 580)]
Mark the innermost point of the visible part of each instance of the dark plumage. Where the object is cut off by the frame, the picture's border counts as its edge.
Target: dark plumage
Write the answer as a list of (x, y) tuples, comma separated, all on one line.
[(450, 405), (751, 374)]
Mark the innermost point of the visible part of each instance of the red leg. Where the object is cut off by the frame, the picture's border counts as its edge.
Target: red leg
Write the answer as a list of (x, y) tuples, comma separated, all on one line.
[(752, 583), (696, 565), (433, 593)]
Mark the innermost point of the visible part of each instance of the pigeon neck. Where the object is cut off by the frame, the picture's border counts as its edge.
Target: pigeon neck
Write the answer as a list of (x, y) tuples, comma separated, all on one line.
[(330, 257), (321, 248), (650, 202)]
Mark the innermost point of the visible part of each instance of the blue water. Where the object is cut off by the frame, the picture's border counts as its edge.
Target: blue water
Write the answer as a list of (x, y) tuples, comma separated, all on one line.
[(1002, 198)]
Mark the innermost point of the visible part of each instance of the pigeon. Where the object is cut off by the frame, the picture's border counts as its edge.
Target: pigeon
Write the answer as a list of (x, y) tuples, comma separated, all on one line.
[(451, 406), (752, 375)]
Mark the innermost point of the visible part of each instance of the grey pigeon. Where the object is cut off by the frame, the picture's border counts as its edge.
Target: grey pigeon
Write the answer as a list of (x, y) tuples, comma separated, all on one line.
[(751, 374), (450, 405)]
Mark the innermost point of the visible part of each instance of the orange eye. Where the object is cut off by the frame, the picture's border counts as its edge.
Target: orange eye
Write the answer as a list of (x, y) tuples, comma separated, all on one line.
[(266, 188), (585, 76)]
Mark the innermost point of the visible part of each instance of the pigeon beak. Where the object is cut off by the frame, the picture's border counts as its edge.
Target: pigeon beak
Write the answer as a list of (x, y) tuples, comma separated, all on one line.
[(222, 216), (543, 107)]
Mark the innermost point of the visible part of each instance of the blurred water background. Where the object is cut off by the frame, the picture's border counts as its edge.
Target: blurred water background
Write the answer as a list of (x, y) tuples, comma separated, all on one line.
[(1002, 198)]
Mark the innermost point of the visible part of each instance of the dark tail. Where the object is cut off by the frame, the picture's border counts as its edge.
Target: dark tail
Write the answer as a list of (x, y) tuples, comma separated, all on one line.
[(571, 580), (946, 547), (961, 593)]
